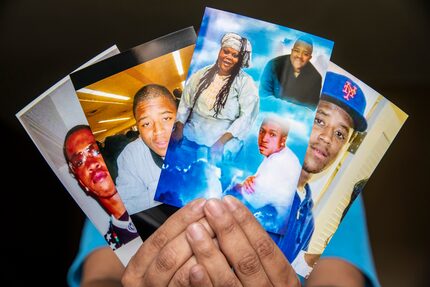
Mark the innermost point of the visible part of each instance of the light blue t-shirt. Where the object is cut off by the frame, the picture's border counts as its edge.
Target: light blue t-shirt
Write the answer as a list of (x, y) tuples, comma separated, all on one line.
[(91, 239), (350, 243)]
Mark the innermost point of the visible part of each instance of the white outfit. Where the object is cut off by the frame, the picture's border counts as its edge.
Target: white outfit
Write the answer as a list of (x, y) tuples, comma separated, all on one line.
[(237, 116), (138, 177), (276, 182)]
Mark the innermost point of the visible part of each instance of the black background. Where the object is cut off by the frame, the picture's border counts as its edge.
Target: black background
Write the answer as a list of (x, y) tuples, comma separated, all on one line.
[(382, 42)]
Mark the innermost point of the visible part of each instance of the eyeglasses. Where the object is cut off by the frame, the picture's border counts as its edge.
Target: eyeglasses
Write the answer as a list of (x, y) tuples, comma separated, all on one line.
[(80, 158)]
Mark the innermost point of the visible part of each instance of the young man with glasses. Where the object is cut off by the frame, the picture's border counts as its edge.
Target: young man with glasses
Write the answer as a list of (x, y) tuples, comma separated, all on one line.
[(88, 167)]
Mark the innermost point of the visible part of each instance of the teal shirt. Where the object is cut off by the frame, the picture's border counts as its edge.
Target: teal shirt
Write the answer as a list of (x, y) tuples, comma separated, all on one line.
[(350, 243), (91, 240)]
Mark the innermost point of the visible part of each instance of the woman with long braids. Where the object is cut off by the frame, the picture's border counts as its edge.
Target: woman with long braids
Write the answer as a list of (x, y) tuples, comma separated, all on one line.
[(220, 102)]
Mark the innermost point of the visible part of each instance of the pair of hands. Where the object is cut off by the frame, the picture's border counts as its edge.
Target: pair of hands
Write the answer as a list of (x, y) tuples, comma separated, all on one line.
[(210, 243)]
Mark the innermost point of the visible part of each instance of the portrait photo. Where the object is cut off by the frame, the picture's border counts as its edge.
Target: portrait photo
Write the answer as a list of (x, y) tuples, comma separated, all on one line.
[(245, 115), (130, 102), (58, 127), (339, 178)]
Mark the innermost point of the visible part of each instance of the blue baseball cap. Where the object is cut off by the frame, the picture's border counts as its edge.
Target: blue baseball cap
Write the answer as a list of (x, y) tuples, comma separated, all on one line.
[(343, 92)]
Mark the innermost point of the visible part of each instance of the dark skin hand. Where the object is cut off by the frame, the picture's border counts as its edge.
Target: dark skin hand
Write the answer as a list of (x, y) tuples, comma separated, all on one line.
[(183, 252), (178, 132), (243, 244)]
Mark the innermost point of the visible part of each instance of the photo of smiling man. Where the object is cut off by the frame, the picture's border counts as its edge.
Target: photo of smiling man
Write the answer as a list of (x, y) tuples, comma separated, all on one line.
[(293, 77)]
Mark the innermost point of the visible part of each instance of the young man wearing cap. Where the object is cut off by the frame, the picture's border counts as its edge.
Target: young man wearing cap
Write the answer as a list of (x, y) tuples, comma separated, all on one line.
[(293, 77), (339, 112)]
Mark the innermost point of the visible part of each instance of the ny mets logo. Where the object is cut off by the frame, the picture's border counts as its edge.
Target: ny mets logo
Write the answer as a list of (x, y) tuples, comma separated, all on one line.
[(349, 91)]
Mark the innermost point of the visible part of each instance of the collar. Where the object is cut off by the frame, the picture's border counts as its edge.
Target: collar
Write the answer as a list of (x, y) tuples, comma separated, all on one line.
[(158, 160)]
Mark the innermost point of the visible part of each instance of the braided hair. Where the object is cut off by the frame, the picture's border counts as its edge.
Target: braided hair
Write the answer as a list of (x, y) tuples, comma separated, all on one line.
[(209, 75)]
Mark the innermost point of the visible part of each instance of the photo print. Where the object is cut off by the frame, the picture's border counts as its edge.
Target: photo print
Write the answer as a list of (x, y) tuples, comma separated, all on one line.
[(245, 116), (58, 127), (130, 102), (354, 127)]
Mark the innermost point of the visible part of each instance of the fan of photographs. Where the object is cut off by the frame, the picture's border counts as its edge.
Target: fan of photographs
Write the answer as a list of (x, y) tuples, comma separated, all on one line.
[(248, 108)]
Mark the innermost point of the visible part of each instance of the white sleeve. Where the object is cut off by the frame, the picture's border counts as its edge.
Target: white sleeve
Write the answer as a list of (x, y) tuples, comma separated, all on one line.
[(132, 190), (278, 177)]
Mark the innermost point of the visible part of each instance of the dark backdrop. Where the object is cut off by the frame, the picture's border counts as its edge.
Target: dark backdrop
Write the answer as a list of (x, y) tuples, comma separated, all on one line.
[(382, 42)]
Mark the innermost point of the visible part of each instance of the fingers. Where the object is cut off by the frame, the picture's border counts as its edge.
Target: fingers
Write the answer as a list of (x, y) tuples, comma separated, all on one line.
[(207, 254), (249, 185), (199, 277), (246, 185), (150, 249), (170, 258), (182, 276), (176, 136), (249, 189), (191, 274), (234, 245), (271, 257)]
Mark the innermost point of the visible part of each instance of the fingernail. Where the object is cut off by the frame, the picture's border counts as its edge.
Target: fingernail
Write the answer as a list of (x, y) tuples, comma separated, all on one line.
[(197, 205), (196, 273), (231, 202), (215, 207), (195, 231)]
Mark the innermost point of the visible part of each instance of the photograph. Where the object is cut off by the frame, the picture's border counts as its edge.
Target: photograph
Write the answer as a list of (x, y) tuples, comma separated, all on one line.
[(58, 127), (130, 102), (355, 214), (245, 115), (363, 125)]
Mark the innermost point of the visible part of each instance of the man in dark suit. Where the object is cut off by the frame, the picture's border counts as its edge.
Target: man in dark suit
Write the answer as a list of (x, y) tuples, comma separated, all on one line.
[(292, 77)]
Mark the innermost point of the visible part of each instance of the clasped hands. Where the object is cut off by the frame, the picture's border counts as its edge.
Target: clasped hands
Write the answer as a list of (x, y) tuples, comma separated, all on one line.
[(210, 243)]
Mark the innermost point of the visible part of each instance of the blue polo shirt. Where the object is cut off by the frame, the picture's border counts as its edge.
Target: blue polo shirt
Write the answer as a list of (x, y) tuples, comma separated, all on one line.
[(350, 243), (299, 228)]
